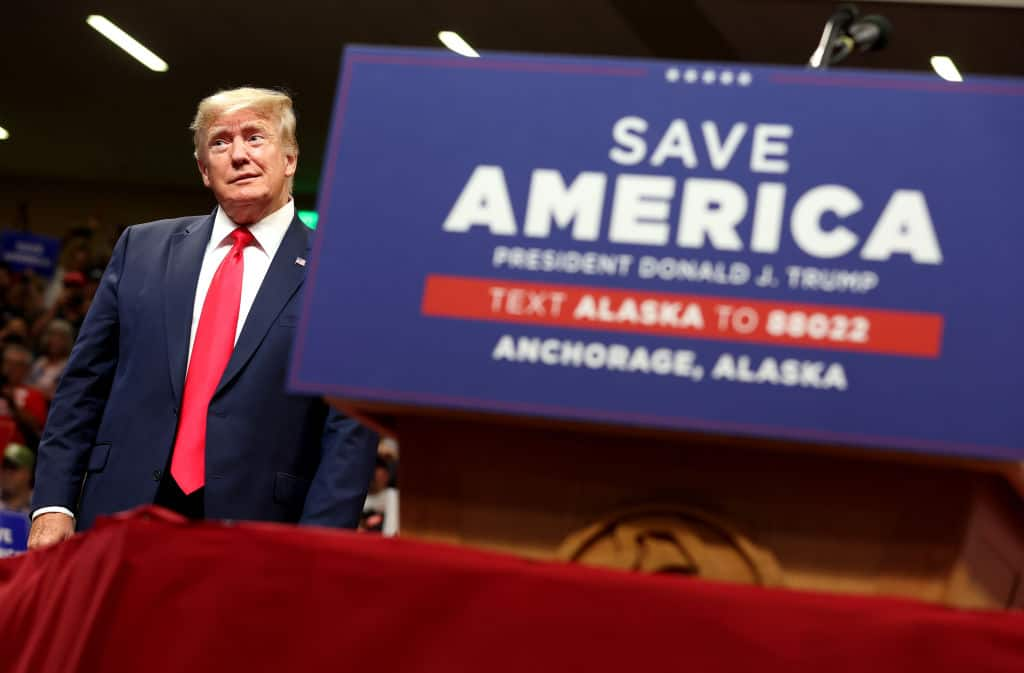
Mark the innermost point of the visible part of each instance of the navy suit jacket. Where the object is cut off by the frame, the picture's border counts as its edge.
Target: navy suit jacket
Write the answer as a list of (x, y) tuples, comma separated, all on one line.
[(270, 455)]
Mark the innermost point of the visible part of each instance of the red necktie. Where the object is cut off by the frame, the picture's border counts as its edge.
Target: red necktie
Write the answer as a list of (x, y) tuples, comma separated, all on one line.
[(215, 339)]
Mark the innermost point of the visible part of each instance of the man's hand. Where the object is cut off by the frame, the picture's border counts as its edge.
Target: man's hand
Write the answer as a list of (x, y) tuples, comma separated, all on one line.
[(49, 529)]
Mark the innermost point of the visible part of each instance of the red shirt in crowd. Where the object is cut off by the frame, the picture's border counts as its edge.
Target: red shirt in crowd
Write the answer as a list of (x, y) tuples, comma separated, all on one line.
[(30, 401)]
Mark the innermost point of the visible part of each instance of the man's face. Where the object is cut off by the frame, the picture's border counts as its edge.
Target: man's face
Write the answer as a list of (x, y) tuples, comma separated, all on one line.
[(243, 162), (58, 343), (14, 480), (15, 366), (17, 326)]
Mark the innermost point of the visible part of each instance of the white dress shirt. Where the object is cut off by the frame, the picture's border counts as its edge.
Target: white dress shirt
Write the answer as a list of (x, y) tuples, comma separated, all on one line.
[(269, 232)]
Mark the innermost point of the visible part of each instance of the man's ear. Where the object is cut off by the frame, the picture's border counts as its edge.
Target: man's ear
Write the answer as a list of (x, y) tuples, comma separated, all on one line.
[(203, 170), (291, 163)]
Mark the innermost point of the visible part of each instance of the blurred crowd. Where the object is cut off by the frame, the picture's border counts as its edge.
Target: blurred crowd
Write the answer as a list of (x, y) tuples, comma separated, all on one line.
[(39, 319)]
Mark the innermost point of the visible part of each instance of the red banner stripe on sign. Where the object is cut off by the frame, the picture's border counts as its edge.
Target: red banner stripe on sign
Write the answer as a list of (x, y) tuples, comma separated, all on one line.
[(847, 328)]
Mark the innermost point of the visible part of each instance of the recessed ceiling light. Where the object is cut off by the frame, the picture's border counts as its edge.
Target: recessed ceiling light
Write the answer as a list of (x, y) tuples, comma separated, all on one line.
[(454, 41), (4, 135), (140, 53), (946, 69)]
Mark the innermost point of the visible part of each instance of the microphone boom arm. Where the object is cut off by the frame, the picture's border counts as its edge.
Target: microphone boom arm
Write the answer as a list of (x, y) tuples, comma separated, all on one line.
[(845, 33)]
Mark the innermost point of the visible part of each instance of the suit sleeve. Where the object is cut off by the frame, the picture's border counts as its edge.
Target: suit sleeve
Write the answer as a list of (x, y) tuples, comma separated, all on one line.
[(338, 491), (81, 395)]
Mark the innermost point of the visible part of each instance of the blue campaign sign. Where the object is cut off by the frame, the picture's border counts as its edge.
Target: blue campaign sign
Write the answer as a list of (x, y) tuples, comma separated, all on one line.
[(13, 532), (763, 251), (23, 251)]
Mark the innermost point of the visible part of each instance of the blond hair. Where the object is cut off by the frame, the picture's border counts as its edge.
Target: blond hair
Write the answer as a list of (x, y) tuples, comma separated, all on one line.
[(275, 106)]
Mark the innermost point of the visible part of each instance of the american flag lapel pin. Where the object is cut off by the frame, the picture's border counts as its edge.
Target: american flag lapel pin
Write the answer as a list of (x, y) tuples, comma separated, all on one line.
[(301, 261)]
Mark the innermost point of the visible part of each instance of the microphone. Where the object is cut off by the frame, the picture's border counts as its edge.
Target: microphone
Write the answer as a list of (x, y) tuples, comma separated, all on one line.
[(870, 33)]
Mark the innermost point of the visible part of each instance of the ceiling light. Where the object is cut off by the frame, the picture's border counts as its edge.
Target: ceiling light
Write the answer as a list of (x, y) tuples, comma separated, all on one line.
[(454, 41), (122, 39), (4, 135), (946, 69)]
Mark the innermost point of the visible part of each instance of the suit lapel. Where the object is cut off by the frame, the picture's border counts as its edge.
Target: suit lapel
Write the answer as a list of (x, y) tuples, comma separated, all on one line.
[(282, 280), (184, 260)]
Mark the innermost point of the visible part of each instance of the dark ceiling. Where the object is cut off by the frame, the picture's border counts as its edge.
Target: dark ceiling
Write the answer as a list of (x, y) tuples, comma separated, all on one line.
[(78, 108)]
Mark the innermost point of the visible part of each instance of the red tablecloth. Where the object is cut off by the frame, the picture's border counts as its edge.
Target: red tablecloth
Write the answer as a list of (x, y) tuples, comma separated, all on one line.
[(147, 593)]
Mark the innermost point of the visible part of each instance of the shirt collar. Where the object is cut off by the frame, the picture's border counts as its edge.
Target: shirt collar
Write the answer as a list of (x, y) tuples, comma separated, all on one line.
[(268, 232)]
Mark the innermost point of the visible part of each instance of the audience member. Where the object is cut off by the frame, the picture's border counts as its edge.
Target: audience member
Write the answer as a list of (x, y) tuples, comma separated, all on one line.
[(75, 257), (388, 448), (16, 477), (14, 331), (380, 512), (72, 304), (92, 282), (23, 298), (24, 405), (55, 347)]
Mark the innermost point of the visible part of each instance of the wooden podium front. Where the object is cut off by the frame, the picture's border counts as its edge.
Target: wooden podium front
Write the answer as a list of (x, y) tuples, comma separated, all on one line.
[(837, 520)]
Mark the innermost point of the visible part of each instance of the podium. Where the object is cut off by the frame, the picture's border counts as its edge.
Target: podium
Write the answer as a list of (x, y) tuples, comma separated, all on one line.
[(572, 286), (838, 520)]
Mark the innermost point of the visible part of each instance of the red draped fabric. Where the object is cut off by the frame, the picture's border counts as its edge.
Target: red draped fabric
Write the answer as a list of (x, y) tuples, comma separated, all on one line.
[(147, 592)]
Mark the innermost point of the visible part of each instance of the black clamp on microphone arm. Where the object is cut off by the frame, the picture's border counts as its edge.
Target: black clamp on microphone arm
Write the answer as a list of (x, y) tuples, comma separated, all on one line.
[(846, 32)]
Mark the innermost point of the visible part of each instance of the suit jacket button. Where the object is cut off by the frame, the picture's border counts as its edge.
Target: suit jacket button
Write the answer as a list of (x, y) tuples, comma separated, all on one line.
[(157, 474)]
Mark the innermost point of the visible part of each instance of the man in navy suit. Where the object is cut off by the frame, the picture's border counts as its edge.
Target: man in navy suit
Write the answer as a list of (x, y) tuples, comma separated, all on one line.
[(175, 390)]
